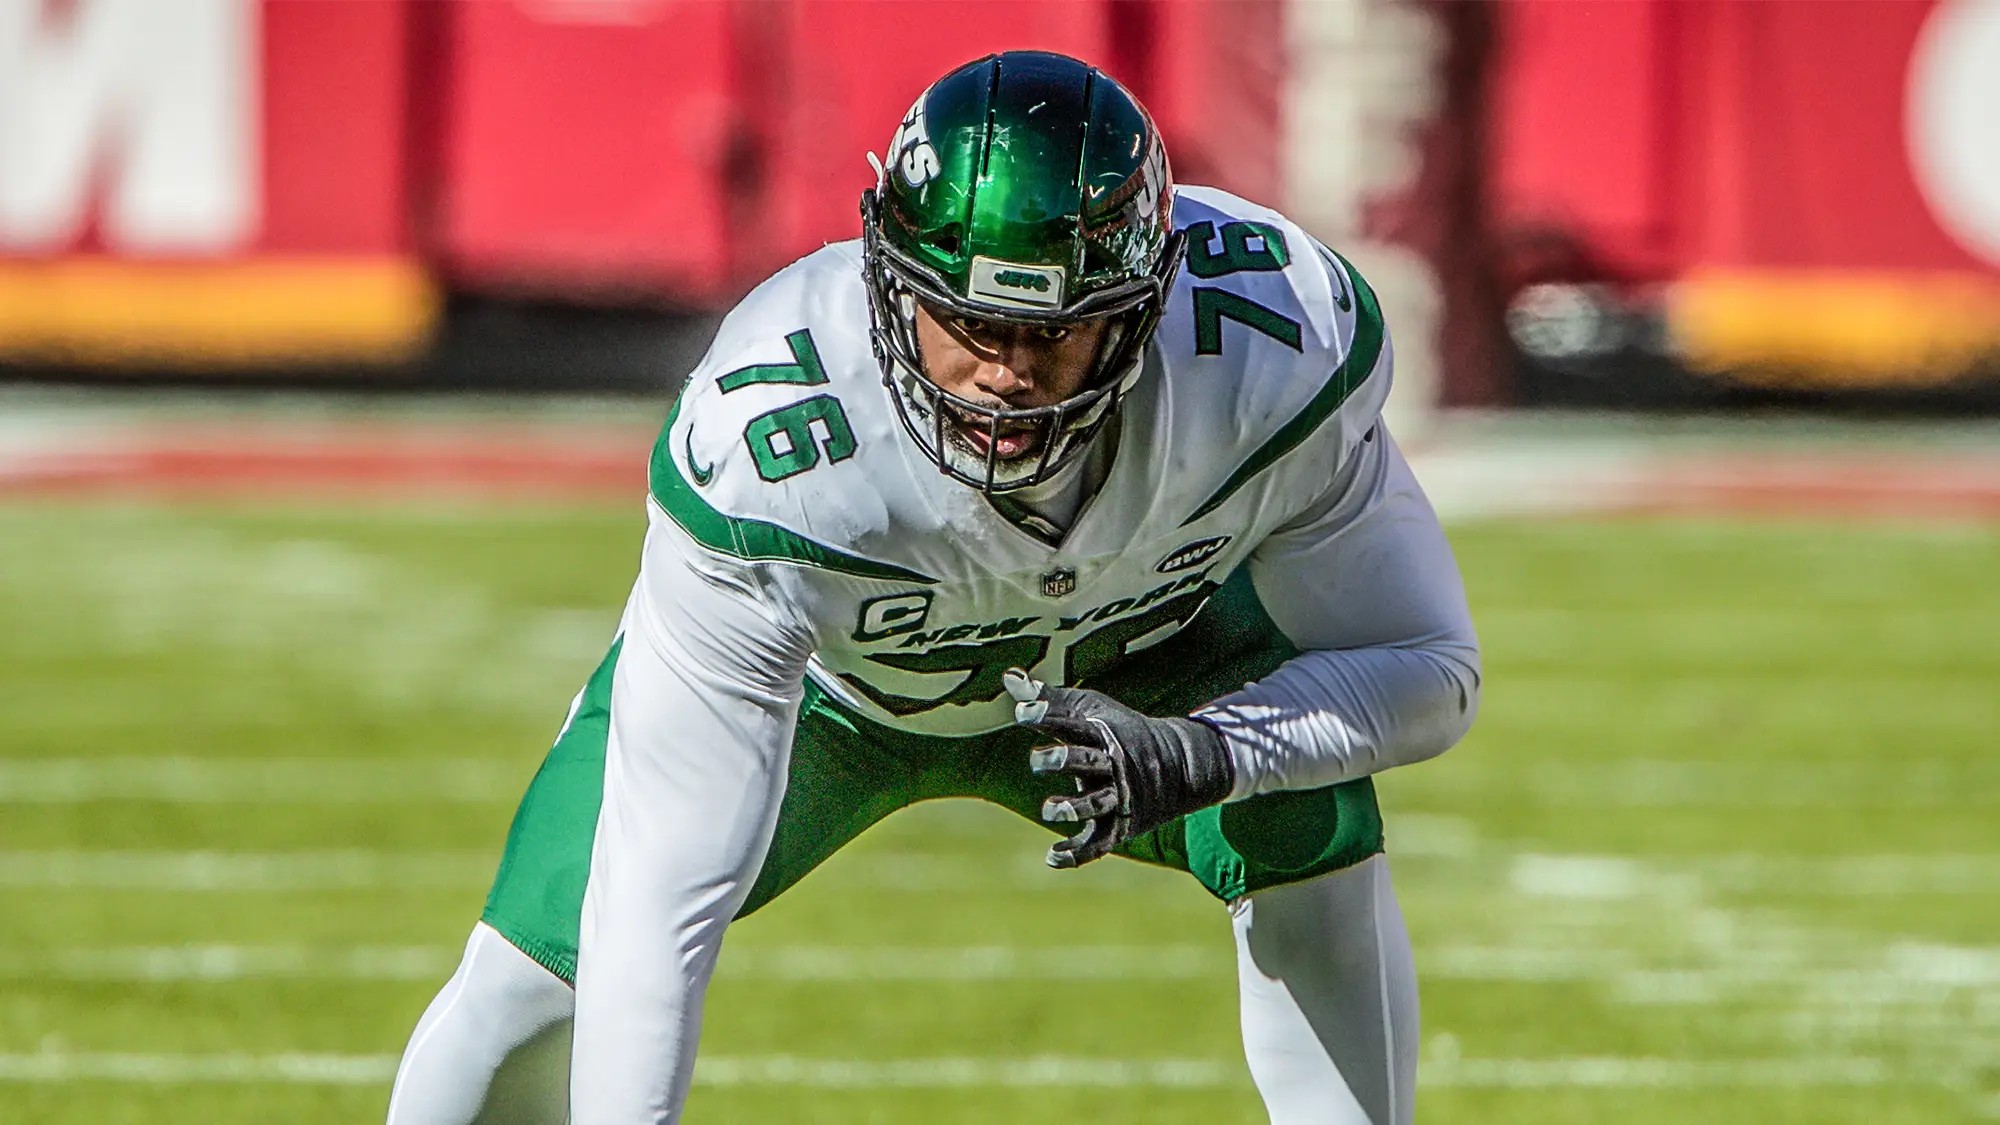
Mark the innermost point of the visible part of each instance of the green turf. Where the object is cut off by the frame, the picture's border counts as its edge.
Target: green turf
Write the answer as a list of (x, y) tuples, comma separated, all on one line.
[(1724, 846)]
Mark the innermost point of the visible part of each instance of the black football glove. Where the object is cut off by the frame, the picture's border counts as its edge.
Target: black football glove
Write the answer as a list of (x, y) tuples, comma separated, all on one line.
[(1133, 772)]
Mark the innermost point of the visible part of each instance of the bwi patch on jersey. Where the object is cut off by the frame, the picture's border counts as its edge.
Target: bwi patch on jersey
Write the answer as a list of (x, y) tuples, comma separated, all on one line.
[(1190, 555)]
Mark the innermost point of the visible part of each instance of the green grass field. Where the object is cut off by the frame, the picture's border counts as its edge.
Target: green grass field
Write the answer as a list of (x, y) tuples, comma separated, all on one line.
[(1724, 846)]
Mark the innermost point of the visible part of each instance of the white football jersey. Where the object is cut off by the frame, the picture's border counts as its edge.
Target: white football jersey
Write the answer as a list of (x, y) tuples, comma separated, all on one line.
[(798, 531), (1269, 366)]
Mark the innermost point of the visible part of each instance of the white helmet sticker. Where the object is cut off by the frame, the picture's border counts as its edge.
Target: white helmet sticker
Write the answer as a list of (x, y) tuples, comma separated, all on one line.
[(910, 151), (1011, 283)]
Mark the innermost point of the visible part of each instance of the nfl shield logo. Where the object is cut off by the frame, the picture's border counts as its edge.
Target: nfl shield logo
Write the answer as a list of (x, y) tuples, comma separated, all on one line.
[(1058, 583)]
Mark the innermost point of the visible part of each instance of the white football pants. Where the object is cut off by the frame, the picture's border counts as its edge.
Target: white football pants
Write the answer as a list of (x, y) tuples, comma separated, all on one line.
[(1328, 990), (1329, 999)]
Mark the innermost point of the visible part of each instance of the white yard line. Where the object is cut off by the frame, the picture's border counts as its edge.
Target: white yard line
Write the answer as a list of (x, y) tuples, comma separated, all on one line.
[(261, 780), (834, 964), (1013, 867), (265, 872), (952, 1073), (1660, 1073), (232, 1068), (981, 1073), (1952, 873), (1905, 969), (219, 963), (1554, 1073), (1777, 784), (1909, 974), (1862, 876)]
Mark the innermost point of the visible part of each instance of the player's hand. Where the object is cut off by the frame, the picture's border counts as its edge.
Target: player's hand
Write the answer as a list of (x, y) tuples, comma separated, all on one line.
[(1133, 772)]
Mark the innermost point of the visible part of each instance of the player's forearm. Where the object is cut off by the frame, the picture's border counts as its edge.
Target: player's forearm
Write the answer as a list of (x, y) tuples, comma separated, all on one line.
[(1332, 716), (653, 923), (1366, 584), (640, 983), (694, 775), (704, 698)]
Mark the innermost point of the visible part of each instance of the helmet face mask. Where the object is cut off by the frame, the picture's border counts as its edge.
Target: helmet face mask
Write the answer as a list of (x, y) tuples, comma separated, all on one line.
[(1026, 189)]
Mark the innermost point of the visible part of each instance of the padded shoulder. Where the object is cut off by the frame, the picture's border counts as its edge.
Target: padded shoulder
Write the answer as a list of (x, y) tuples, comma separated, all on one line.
[(1270, 329), (759, 458)]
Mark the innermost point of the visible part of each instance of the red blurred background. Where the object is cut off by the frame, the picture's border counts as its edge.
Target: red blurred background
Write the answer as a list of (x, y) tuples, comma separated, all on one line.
[(1578, 201)]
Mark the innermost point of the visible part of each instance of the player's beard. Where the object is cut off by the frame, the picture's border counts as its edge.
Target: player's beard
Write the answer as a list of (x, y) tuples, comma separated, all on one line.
[(1009, 442)]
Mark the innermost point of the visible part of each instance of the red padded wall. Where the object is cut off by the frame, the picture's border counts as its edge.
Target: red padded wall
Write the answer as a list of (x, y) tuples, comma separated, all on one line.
[(852, 71), (688, 149), (1731, 135), (589, 156)]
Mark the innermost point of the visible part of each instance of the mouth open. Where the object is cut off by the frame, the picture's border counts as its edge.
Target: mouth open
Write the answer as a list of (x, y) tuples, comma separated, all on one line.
[(1009, 441)]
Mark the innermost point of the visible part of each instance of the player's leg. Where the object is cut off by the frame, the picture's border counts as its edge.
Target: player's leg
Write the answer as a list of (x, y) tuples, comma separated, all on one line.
[(493, 1048), (1328, 989), (839, 784), (1325, 958), (845, 775), (1329, 999), (494, 1044)]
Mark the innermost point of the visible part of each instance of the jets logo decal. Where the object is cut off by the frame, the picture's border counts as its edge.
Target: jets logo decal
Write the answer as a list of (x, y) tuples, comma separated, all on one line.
[(1021, 279), (1152, 178), (910, 153), (1020, 285), (1191, 555)]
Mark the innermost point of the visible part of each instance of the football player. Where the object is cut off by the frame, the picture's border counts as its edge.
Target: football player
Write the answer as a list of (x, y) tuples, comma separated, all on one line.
[(1062, 487)]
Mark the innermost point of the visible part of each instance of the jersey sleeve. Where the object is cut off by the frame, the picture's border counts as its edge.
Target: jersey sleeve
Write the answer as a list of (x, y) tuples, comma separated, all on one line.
[(704, 698), (1364, 581), (1350, 359), (1344, 309)]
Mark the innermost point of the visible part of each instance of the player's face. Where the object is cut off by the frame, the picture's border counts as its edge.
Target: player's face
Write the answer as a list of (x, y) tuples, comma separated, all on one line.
[(1005, 367)]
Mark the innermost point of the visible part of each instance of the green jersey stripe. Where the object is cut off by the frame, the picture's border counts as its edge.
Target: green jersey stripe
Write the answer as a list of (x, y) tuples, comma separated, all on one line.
[(753, 540), (1361, 357)]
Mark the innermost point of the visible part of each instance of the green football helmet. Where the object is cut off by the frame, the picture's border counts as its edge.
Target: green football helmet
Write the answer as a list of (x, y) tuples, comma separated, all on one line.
[(1027, 188)]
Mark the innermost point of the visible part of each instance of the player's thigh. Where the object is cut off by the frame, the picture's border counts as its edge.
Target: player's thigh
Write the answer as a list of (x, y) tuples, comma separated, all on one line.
[(536, 902), (839, 783), (843, 778)]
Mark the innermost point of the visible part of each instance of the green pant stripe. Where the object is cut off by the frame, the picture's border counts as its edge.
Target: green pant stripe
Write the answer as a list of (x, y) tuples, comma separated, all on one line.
[(537, 896)]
